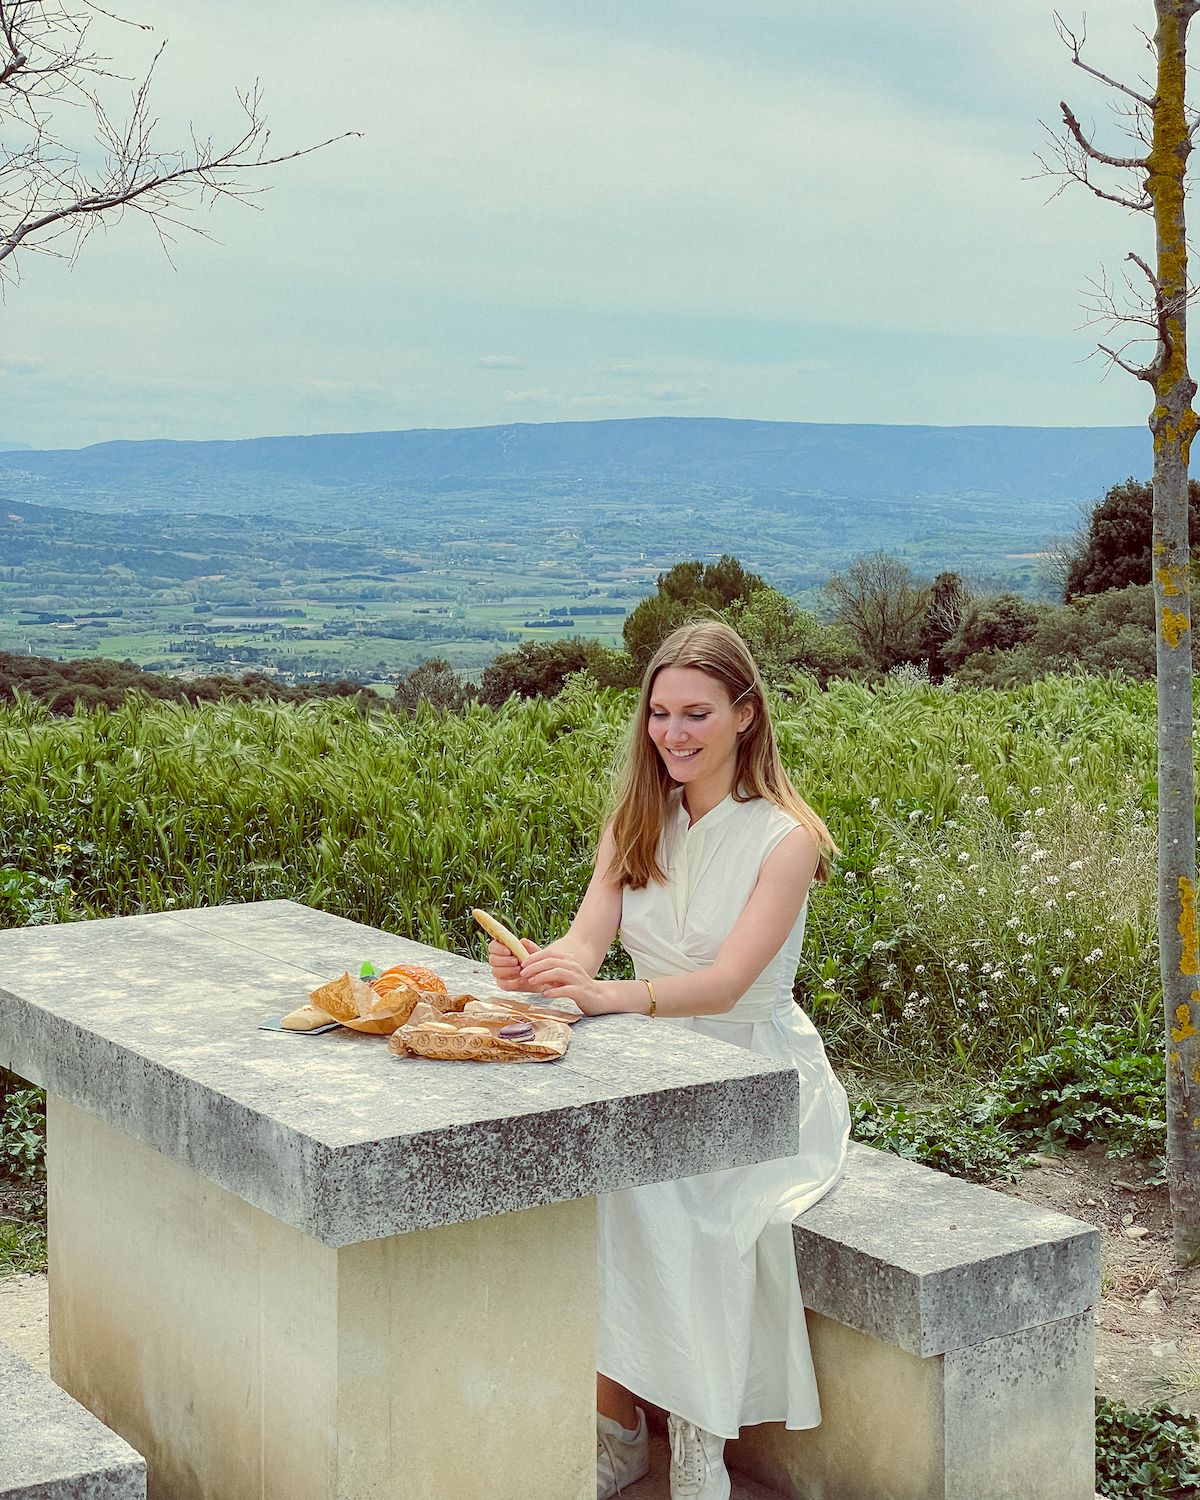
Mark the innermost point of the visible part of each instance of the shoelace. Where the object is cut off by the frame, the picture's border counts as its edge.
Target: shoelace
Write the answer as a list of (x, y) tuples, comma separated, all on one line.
[(688, 1455), (604, 1450)]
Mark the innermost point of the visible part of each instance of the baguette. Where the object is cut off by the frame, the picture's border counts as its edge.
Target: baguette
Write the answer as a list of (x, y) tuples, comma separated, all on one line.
[(501, 933)]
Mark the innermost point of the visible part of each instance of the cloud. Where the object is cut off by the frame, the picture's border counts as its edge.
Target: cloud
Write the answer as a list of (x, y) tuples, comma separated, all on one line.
[(530, 398), (501, 362), (626, 369), (602, 400), (675, 394)]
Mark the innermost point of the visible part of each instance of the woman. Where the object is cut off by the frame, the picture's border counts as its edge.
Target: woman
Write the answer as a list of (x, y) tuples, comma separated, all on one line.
[(705, 867)]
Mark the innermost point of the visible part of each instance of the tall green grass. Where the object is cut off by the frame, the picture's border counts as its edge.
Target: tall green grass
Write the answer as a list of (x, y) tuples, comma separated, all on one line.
[(407, 823)]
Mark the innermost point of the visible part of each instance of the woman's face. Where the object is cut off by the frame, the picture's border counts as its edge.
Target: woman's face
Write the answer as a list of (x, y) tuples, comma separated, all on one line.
[(694, 726)]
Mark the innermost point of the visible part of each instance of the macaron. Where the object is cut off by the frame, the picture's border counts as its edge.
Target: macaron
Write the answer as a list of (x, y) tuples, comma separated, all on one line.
[(517, 1031)]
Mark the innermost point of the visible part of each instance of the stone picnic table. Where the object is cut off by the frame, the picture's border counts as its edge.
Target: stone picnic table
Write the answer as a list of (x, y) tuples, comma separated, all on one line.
[(302, 1268)]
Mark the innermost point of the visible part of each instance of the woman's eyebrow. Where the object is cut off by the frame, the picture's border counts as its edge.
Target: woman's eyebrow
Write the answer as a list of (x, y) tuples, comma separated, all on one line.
[(654, 703)]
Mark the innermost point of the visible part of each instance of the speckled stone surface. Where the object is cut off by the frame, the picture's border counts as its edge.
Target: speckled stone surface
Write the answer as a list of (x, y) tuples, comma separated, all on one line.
[(52, 1449), (931, 1263), (151, 1024)]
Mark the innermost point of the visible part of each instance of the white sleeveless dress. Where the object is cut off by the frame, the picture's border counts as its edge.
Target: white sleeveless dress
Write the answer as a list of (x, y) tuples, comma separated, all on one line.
[(700, 1306)]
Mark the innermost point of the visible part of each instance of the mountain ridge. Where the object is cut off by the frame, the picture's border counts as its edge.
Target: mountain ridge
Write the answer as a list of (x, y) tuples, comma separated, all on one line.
[(843, 460)]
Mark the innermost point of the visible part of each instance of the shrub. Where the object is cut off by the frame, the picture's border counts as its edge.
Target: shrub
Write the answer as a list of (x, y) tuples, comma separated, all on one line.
[(434, 682), (23, 1135), (536, 669), (1094, 1084), (961, 1140), (1145, 1453)]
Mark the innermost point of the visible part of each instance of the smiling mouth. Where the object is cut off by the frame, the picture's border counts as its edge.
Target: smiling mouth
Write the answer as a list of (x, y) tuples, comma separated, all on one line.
[(682, 754)]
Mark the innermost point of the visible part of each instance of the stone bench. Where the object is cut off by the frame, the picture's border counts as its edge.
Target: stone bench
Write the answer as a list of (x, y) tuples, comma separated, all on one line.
[(953, 1339), (52, 1449)]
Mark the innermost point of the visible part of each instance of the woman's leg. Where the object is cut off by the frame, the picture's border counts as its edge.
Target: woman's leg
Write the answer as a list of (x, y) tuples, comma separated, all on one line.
[(615, 1402)]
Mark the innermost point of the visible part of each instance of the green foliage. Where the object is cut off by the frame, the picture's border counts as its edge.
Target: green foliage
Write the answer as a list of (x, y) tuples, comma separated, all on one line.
[(22, 1248), (687, 591), (434, 682), (1106, 633), (1116, 551), (536, 669), (408, 822), (997, 623), (94, 682), (1145, 1453), (1094, 1084), (23, 1135), (983, 917), (962, 1141)]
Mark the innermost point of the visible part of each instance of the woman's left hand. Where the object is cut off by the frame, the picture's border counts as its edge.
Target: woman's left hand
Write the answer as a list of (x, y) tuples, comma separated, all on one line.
[(560, 976)]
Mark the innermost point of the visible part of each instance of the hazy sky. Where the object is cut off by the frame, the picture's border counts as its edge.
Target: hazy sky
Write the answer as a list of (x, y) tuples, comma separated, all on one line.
[(573, 209)]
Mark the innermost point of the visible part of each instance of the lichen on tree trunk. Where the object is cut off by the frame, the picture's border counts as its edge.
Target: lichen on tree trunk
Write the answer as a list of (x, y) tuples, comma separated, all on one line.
[(1173, 423)]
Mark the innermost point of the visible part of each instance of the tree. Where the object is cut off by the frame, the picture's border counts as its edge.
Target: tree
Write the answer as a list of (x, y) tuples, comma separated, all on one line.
[(1153, 181), (881, 604), (433, 681), (687, 591), (948, 601), (997, 623), (55, 185), (1115, 550), (536, 669)]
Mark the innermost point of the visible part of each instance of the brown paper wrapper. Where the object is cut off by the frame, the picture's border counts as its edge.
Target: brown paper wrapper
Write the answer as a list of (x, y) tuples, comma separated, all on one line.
[(472, 1037)]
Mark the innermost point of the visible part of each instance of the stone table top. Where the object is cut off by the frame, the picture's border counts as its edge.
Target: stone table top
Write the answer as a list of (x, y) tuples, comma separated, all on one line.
[(151, 1023)]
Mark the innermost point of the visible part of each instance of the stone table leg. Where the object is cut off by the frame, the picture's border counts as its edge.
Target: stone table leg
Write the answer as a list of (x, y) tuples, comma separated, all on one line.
[(245, 1359)]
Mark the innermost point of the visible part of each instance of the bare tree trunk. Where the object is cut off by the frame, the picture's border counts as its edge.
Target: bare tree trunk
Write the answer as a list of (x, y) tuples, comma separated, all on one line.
[(1156, 184), (1174, 424)]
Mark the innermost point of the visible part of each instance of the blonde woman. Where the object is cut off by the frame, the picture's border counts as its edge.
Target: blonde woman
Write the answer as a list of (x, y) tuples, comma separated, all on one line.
[(705, 867)]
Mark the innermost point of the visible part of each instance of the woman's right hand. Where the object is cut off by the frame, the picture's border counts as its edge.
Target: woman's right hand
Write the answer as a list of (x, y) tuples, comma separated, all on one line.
[(506, 971)]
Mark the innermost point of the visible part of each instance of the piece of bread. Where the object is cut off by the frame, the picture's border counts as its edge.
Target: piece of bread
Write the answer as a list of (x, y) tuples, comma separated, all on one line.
[(305, 1018), (497, 930)]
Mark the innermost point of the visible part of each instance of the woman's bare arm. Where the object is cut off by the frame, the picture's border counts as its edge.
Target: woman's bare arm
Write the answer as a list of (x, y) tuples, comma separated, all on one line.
[(588, 938), (754, 940)]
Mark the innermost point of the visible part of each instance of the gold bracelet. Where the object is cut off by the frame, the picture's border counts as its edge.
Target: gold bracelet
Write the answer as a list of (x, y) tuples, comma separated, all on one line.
[(653, 1001)]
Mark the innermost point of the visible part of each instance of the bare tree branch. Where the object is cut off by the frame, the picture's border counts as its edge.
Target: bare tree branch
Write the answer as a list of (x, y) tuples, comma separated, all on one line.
[(49, 75), (1134, 163), (1076, 44)]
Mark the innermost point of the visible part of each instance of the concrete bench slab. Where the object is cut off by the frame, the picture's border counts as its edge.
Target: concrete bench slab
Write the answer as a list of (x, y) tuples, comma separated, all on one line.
[(52, 1449), (952, 1335)]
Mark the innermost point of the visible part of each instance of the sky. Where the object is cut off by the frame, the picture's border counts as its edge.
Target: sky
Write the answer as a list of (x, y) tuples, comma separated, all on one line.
[(563, 210)]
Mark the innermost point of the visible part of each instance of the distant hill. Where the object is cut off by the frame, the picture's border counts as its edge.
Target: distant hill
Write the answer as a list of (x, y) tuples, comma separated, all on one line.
[(15, 448), (774, 460)]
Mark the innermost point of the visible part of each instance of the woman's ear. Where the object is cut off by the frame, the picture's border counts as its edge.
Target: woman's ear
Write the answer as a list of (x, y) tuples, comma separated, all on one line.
[(746, 714)]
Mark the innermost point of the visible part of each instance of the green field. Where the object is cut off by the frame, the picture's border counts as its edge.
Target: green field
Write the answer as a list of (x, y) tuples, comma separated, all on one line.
[(996, 881)]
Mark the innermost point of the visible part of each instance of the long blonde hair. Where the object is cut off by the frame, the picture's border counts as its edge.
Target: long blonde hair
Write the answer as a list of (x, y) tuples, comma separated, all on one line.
[(644, 783)]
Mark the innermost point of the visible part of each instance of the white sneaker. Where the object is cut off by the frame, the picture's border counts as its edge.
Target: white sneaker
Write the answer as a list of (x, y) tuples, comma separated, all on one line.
[(697, 1462), (620, 1460)]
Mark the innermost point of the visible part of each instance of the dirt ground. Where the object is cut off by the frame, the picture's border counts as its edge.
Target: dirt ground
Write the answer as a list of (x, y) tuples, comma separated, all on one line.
[(1148, 1320)]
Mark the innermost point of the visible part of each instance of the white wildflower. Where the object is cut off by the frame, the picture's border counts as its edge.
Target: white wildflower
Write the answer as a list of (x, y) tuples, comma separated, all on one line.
[(920, 969), (1076, 864), (1056, 971), (1074, 760), (963, 858)]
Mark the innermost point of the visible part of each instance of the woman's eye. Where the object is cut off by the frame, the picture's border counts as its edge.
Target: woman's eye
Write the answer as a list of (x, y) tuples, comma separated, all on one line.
[(698, 718)]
